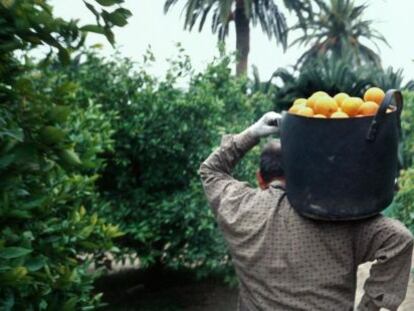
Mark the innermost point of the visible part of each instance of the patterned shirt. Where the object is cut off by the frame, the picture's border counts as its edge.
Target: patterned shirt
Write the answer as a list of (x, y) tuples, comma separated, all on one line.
[(288, 262)]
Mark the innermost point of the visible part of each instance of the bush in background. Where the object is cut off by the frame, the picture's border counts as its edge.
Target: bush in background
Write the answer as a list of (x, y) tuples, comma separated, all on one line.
[(47, 231), (403, 205), (163, 131)]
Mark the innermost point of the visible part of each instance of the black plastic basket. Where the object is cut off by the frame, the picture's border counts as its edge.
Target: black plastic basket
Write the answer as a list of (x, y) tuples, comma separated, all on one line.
[(342, 169)]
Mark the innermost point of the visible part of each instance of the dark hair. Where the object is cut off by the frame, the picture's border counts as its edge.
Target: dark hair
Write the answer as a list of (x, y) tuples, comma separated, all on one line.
[(271, 161)]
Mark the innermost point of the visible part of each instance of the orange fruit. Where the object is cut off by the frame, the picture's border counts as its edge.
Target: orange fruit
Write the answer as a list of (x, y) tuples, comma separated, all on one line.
[(320, 93), (311, 100), (325, 105), (374, 94), (300, 101), (359, 116), (305, 111), (321, 116), (339, 115), (294, 109), (340, 97), (368, 108), (351, 105)]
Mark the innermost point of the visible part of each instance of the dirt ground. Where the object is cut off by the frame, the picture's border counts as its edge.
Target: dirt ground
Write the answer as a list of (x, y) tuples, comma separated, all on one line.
[(181, 292)]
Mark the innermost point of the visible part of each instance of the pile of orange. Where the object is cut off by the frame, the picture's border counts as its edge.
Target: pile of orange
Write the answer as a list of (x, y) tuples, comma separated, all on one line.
[(321, 105)]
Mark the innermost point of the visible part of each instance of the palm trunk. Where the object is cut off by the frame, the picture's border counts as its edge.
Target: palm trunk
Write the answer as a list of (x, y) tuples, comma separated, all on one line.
[(242, 37)]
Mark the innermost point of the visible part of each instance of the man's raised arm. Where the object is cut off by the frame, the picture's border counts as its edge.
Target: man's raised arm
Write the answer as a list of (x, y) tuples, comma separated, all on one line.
[(216, 171)]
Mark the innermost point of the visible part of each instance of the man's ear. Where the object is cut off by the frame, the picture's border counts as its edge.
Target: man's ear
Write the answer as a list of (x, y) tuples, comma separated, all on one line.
[(262, 184)]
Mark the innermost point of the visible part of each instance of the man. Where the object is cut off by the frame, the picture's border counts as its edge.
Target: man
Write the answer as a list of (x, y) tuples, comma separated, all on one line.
[(288, 262)]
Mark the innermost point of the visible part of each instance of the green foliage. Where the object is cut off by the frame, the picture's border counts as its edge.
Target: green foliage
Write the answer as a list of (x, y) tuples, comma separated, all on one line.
[(408, 130), (339, 28), (263, 12), (332, 75), (403, 207), (26, 24), (48, 159), (46, 232), (162, 134)]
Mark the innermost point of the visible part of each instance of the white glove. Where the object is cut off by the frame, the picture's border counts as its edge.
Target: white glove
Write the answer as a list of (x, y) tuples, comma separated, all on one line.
[(268, 124)]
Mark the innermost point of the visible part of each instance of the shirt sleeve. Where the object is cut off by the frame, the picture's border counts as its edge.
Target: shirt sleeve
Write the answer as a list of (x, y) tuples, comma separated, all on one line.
[(387, 242), (215, 172)]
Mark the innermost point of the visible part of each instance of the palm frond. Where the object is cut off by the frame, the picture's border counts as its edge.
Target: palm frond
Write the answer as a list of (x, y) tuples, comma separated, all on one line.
[(339, 26), (272, 21)]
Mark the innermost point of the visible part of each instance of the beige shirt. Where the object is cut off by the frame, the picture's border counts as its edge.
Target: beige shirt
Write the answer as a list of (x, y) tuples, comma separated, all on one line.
[(288, 262)]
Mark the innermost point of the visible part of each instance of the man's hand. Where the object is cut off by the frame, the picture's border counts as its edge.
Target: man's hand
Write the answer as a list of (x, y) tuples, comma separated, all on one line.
[(266, 125)]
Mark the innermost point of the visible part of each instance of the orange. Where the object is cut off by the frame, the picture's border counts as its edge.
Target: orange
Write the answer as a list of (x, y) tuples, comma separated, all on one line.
[(320, 116), (325, 105), (311, 100), (374, 94), (340, 97), (320, 93), (300, 101), (339, 115), (294, 109), (368, 109), (305, 111), (351, 105)]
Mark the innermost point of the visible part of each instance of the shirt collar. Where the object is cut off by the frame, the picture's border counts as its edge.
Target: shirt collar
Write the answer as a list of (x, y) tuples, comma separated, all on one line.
[(277, 184)]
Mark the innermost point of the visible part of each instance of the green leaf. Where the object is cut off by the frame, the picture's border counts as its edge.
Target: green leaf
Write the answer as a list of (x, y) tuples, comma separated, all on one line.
[(14, 252), (59, 114), (25, 153), (64, 56), (118, 17), (7, 303), (6, 160), (92, 9), (16, 134), (86, 231), (110, 36), (52, 135), (70, 157), (70, 304), (22, 214), (109, 2), (7, 3), (93, 28), (35, 264)]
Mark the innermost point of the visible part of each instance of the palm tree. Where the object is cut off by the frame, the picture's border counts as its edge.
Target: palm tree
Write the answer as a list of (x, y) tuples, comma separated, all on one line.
[(339, 27), (243, 13)]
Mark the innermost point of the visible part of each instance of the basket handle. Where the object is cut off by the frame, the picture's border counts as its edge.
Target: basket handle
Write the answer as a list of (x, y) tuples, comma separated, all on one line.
[(382, 110)]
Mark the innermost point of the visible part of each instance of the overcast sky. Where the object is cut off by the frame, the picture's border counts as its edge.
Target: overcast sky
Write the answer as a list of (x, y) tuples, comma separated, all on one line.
[(150, 27)]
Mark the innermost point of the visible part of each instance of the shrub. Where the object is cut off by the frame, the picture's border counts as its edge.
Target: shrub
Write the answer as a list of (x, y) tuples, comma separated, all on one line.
[(162, 134), (46, 187), (402, 207)]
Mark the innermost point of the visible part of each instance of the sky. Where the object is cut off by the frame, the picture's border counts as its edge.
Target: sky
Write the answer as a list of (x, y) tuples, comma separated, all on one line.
[(149, 26)]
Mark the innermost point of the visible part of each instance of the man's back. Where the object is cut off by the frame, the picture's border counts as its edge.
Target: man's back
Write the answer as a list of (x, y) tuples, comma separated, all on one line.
[(287, 262)]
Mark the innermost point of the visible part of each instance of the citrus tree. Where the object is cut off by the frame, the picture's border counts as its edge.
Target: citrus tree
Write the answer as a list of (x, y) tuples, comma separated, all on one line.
[(47, 158), (164, 129)]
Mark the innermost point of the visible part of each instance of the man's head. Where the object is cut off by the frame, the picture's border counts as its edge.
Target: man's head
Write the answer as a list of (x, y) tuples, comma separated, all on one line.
[(270, 164)]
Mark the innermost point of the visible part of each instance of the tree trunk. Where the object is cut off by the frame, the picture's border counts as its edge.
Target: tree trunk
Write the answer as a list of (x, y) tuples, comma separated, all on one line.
[(242, 37)]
